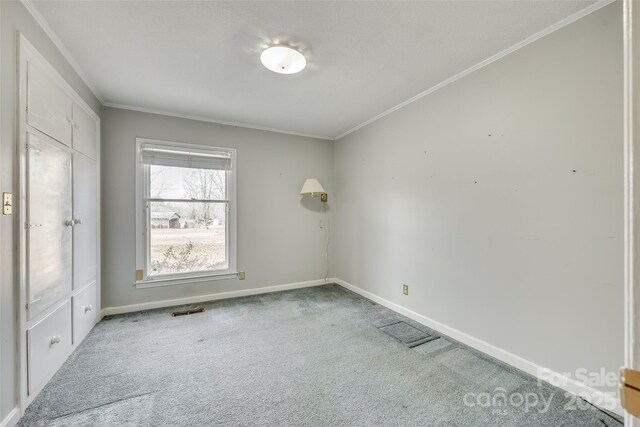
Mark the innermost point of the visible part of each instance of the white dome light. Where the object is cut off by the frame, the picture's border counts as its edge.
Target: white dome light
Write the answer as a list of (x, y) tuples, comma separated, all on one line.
[(283, 60)]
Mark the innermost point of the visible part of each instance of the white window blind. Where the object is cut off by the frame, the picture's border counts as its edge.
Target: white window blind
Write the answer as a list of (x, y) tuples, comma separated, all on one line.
[(162, 155)]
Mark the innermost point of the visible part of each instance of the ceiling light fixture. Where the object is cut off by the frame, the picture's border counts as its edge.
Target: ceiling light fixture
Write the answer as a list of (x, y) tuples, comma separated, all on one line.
[(283, 60)]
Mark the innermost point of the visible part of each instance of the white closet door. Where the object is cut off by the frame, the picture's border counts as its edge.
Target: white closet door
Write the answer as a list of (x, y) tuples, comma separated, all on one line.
[(49, 223), (49, 109), (84, 132), (85, 229)]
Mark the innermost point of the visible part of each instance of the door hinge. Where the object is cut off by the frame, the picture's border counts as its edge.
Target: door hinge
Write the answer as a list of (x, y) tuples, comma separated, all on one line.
[(30, 148), (29, 304)]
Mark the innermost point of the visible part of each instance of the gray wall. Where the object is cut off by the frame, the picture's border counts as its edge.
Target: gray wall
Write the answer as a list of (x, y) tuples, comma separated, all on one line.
[(16, 18), (498, 200), (279, 238)]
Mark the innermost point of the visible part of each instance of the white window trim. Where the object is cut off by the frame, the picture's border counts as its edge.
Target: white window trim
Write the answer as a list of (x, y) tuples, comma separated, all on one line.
[(142, 242)]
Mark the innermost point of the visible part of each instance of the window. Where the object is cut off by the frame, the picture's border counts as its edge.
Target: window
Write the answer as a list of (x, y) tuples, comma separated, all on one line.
[(186, 212)]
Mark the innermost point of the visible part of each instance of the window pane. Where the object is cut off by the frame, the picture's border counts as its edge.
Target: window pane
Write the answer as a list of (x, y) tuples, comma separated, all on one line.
[(167, 182), (187, 237)]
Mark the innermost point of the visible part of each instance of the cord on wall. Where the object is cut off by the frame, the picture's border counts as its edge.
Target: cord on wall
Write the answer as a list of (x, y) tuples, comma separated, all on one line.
[(326, 225)]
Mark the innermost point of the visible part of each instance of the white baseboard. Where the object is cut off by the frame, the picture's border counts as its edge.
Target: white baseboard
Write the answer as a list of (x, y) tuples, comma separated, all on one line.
[(107, 311), (588, 393), (12, 418)]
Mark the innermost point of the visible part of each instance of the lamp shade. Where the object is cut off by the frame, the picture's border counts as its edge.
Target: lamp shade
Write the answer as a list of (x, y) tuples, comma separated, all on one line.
[(312, 187)]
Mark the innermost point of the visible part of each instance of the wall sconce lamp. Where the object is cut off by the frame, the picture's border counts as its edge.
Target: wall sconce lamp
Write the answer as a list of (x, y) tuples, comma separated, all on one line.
[(313, 188)]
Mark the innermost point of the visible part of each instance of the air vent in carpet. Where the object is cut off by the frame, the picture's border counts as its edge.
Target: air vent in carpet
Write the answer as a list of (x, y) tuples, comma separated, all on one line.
[(187, 312), (130, 411), (407, 334)]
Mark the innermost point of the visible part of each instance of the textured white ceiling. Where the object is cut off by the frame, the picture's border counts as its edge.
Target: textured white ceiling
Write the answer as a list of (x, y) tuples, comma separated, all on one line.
[(201, 58)]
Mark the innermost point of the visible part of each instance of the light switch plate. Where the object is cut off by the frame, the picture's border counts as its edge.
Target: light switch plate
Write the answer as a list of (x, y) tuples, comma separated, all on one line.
[(7, 203)]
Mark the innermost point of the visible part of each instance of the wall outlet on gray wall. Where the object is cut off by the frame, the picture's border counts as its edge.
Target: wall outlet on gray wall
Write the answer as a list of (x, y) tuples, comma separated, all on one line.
[(405, 289)]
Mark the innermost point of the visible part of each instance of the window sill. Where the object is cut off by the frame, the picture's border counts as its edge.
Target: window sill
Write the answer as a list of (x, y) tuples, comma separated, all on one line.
[(171, 281)]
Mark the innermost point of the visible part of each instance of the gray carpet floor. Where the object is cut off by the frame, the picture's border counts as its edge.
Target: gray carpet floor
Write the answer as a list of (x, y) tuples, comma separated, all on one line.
[(319, 356)]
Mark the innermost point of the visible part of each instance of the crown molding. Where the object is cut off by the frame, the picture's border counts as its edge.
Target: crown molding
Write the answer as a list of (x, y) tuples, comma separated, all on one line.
[(550, 29), (210, 120), (33, 10), (74, 64)]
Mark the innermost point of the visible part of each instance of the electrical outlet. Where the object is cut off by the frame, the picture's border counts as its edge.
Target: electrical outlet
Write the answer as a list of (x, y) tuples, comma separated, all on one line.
[(240, 275), (405, 289)]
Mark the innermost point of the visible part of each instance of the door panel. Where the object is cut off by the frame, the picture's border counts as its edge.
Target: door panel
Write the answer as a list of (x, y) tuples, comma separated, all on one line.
[(49, 232), (84, 132), (85, 230), (49, 109)]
